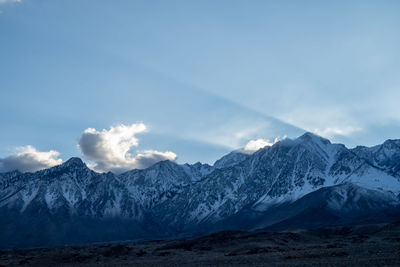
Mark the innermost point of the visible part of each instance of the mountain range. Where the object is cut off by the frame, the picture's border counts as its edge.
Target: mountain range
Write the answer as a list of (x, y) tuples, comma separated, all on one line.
[(307, 182)]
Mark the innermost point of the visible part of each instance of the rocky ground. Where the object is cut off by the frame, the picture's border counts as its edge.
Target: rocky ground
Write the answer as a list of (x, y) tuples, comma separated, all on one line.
[(370, 245)]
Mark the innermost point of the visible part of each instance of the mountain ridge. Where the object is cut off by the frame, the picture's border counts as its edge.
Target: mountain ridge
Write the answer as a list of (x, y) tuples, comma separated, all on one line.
[(168, 199)]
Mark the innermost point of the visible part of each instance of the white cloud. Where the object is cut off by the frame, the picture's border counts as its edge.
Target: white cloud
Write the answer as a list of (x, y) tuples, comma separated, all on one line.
[(231, 137), (9, 1), (235, 132), (110, 149), (28, 159), (254, 145)]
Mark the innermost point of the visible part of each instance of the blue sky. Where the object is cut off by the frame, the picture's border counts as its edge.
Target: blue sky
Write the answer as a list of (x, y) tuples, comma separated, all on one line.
[(205, 77)]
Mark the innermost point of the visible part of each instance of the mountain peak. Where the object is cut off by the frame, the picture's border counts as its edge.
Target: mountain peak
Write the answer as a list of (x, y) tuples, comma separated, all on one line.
[(392, 142), (74, 161), (231, 159), (163, 163), (311, 137)]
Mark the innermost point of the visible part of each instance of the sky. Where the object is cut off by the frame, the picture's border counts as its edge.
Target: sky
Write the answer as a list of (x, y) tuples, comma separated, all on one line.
[(124, 84)]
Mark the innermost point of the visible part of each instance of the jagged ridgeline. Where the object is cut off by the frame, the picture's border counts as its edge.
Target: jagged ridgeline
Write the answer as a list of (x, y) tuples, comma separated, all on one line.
[(303, 183)]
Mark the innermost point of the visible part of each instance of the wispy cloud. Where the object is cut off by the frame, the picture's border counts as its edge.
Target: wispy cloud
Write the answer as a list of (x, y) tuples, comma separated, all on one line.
[(331, 132), (110, 149), (329, 122), (28, 159)]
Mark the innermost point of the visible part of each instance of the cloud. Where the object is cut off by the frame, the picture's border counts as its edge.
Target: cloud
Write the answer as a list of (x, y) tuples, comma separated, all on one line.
[(332, 122), (110, 149), (9, 1), (28, 159), (331, 132), (254, 145)]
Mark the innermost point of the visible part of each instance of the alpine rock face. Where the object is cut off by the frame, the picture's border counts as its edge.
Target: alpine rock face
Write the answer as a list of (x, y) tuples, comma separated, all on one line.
[(271, 176), (276, 187), (161, 181), (385, 156), (231, 159)]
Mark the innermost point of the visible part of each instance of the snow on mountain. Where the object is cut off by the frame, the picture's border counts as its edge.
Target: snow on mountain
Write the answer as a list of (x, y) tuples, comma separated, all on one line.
[(74, 188), (281, 173), (157, 183), (197, 171), (385, 156), (176, 198), (343, 204), (232, 159)]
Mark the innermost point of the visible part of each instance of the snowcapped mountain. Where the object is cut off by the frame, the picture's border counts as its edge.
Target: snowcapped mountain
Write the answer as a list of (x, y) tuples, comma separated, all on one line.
[(72, 187), (197, 171), (273, 175), (385, 156), (231, 159), (158, 183), (272, 188)]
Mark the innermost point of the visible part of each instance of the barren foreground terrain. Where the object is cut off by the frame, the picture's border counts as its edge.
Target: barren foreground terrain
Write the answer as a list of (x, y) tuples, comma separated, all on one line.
[(359, 245)]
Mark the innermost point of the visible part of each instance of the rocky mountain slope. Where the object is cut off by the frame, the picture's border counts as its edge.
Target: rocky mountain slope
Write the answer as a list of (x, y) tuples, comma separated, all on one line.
[(276, 187), (271, 176)]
